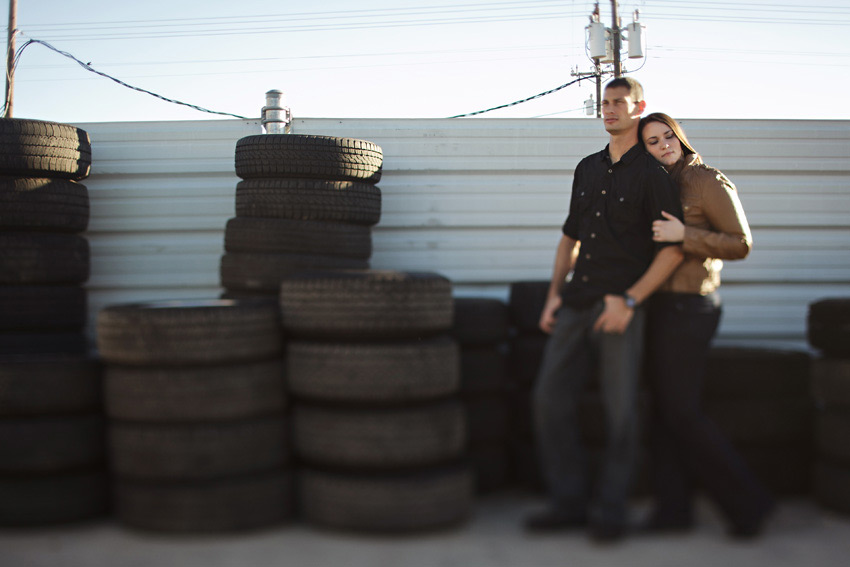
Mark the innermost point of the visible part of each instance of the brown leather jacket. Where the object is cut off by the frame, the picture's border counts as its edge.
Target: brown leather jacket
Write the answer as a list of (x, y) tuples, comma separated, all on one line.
[(715, 227)]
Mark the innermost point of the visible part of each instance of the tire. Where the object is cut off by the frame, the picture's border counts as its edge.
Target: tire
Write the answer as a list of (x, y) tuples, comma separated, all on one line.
[(831, 382), (366, 305), (416, 501), (525, 303), (487, 419), (372, 438), (188, 332), (309, 200), (828, 326), (785, 471), (313, 157), (483, 370), (738, 373), (43, 258), (53, 205), (480, 321), (378, 373), (194, 393), (55, 499), (51, 444), (282, 236), (34, 148), (193, 451), (256, 272), (525, 357), (45, 308), (224, 505), (17, 345), (765, 423), (32, 386), (491, 466), (832, 437), (832, 487)]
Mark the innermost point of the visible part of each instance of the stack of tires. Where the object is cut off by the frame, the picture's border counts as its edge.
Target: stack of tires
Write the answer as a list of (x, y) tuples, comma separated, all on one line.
[(51, 426), (760, 399), (829, 331), (305, 203), (481, 331), (197, 436), (377, 422), (526, 302)]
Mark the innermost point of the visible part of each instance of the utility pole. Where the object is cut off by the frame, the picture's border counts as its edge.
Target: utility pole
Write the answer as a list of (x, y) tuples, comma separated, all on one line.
[(10, 57), (615, 27)]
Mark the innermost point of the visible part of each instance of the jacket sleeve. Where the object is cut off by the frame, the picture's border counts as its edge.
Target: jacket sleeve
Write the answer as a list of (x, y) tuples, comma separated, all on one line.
[(729, 237)]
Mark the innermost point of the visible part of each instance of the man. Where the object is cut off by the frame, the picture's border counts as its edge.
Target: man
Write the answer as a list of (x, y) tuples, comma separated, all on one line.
[(596, 319)]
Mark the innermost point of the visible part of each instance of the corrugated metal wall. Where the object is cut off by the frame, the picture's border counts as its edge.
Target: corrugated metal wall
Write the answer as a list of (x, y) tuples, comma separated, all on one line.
[(478, 200)]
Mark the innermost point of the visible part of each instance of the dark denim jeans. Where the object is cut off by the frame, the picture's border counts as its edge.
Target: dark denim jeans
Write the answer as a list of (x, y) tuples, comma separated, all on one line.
[(573, 352), (687, 447)]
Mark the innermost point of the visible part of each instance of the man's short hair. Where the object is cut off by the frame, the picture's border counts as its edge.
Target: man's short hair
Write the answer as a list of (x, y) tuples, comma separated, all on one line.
[(634, 87)]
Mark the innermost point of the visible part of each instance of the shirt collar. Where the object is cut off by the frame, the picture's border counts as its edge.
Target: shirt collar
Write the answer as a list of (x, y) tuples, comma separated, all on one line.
[(627, 158)]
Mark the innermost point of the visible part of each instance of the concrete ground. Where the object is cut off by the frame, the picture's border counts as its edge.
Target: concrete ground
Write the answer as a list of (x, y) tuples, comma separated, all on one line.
[(800, 534)]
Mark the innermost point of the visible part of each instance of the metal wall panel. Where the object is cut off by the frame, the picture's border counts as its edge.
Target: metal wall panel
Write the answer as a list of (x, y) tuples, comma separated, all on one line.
[(478, 200)]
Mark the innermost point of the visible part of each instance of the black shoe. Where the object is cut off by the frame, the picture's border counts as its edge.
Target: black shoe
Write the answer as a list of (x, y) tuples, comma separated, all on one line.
[(554, 520), (753, 528), (607, 532)]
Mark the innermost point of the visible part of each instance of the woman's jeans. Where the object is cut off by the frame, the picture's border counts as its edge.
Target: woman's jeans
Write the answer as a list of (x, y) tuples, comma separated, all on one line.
[(685, 445), (573, 353)]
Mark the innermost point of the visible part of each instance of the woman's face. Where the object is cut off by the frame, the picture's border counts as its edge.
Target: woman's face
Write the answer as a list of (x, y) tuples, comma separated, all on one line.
[(662, 143)]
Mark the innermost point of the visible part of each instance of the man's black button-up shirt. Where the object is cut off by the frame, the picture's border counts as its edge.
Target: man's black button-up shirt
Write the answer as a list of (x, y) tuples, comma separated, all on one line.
[(611, 213)]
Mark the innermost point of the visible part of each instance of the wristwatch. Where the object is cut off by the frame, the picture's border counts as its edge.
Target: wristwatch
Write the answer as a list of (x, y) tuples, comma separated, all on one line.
[(631, 302)]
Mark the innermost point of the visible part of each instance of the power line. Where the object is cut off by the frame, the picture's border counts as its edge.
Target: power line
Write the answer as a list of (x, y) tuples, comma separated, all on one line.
[(88, 67)]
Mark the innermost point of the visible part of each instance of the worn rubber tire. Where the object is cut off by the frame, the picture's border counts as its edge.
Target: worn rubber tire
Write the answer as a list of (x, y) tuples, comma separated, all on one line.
[(767, 422), (525, 303), (831, 487), (738, 373), (254, 272), (487, 419), (43, 258), (19, 344), (221, 505), (282, 236), (379, 438), (51, 444), (526, 354), (828, 326), (193, 451), (188, 332), (480, 321), (194, 393), (832, 436), (309, 199), (54, 205), (314, 157), (53, 499), (42, 307), (491, 466), (784, 470), (380, 373), (35, 148), (831, 382), (32, 386), (404, 502), (366, 305), (484, 370)]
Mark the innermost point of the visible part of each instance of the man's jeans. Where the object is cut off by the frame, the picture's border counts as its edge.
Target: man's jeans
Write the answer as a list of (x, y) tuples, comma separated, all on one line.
[(573, 353)]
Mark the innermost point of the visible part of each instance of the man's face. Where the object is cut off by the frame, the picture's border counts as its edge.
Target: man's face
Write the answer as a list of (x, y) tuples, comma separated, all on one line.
[(619, 112)]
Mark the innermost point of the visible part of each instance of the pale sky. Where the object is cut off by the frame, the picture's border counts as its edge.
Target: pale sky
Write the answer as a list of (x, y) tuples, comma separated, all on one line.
[(424, 58)]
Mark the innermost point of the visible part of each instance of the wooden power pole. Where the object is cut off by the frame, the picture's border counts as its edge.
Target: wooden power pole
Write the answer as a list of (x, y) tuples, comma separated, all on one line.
[(615, 31), (10, 57)]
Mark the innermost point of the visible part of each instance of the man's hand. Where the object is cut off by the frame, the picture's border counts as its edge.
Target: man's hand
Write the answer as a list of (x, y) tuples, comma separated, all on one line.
[(547, 317), (615, 317)]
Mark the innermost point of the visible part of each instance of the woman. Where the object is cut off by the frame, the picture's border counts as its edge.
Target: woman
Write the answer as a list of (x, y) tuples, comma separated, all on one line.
[(683, 317)]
